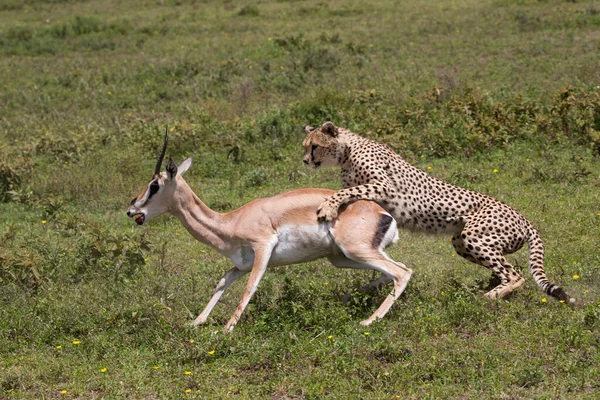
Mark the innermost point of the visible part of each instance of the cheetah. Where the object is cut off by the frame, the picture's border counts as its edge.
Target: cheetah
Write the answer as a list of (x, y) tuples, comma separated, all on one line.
[(483, 229)]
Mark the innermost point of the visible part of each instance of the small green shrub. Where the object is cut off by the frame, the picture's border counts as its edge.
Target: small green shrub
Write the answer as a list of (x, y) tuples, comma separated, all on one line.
[(20, 266), (256, 177), (19, 33), (83, 25), (249, 11), (14, 174), (109, 253)]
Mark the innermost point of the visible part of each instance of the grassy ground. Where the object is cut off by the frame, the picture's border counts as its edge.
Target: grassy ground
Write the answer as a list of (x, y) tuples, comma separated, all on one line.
[(497, 96)]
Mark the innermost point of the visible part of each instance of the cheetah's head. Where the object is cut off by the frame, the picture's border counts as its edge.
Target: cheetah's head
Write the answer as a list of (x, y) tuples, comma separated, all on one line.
[(321, 146)]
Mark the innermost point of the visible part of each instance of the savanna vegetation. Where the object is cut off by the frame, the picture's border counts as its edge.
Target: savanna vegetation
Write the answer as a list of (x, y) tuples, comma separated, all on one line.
[(498, 96)]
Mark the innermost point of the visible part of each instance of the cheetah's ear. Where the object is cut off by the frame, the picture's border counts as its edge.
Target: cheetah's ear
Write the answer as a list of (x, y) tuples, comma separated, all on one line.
[(309, 128), (329, 129)]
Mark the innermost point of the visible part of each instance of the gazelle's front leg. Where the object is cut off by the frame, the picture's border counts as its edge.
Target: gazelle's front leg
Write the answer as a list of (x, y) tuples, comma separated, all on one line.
[(229, 277), (261, 260)]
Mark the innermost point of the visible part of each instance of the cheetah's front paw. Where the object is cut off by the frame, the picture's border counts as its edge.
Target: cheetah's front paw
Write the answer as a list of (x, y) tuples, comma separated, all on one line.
[(327, 212)]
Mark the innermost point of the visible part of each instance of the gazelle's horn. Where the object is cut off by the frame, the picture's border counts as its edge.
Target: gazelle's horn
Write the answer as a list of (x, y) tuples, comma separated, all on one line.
[(162, 153)]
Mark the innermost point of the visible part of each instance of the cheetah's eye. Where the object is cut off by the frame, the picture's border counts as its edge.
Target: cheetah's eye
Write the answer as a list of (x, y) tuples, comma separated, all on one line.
[(314, 147)]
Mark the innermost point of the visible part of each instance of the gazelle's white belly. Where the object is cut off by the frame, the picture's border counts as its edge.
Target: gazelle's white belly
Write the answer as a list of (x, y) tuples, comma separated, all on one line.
[(301, 243)]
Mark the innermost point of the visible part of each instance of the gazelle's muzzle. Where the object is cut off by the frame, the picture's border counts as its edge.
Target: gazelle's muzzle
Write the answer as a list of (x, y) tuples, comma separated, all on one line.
[(139, 216)]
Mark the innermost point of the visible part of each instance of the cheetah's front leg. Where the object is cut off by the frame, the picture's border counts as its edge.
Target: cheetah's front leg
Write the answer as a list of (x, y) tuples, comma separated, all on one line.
[(328, 210)]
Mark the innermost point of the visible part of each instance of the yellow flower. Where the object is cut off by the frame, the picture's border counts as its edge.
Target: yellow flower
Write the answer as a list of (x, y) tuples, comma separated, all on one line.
[(44, 221), (145, 260), (191, 340), (188, 390), (108, 92), (561, 301), (103, 370), (429, 167), (325, 283), (330, 337), (63, 392), (367, 333), (543, 300), (76, 342), (585, 291), (187, 372), (59, 347), (156, 367), (211, 352), (495, 171), (443, 294), (575, 276)]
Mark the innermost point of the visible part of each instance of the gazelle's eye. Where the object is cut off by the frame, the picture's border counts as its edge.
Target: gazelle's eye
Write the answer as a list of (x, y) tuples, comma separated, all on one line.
[(154, 188)]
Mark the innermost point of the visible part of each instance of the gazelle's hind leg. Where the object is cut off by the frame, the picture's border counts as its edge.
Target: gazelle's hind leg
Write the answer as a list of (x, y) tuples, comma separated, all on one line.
[(377, 231), (390, 270), (342, 261)]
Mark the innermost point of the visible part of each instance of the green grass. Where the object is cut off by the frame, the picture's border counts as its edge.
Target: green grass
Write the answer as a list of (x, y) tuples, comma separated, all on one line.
[(464, 87)]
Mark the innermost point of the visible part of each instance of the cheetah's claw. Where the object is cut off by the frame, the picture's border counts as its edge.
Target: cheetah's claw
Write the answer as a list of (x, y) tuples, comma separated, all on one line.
[(327, 212)]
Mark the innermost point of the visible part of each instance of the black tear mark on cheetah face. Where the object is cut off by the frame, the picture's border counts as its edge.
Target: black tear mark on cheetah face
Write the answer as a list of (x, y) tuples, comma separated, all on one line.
[(321, 146)]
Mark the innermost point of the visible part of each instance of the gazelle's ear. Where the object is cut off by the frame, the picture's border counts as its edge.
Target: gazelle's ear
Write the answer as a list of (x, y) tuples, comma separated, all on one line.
[(171, 168), (184, 166), (309, 128), (329, 128)]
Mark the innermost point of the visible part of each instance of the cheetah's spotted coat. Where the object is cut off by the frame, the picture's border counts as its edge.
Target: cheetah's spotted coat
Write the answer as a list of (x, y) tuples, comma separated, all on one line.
[(483, 229)]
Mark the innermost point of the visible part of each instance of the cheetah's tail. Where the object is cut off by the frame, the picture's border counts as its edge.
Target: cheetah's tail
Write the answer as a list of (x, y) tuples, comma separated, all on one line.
[(536, 266)]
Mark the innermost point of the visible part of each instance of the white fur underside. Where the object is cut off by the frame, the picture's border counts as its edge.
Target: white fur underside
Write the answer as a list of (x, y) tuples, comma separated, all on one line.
[(294, 244), (297, 244)]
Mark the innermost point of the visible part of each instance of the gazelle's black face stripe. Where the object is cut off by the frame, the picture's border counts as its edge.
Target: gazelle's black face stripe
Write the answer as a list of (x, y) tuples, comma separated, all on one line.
[(154, 186)]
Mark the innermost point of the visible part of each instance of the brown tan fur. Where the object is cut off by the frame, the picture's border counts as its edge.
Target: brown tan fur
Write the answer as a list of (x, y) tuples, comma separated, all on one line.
[(278, 230)]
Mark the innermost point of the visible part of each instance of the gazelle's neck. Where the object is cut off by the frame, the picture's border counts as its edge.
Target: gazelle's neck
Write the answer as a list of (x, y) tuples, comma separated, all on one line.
[(206, 225)]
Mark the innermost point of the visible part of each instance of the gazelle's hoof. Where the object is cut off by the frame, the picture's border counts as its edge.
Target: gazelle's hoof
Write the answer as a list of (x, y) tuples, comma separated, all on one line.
[(505, 289), (228, 328), (198, 321)]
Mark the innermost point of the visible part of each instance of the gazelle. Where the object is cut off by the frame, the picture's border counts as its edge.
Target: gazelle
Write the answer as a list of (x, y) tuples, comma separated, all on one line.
[(279, 230)]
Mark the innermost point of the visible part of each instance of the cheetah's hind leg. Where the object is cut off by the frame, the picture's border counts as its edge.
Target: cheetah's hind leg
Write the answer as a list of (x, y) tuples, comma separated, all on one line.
[(491, 259)]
